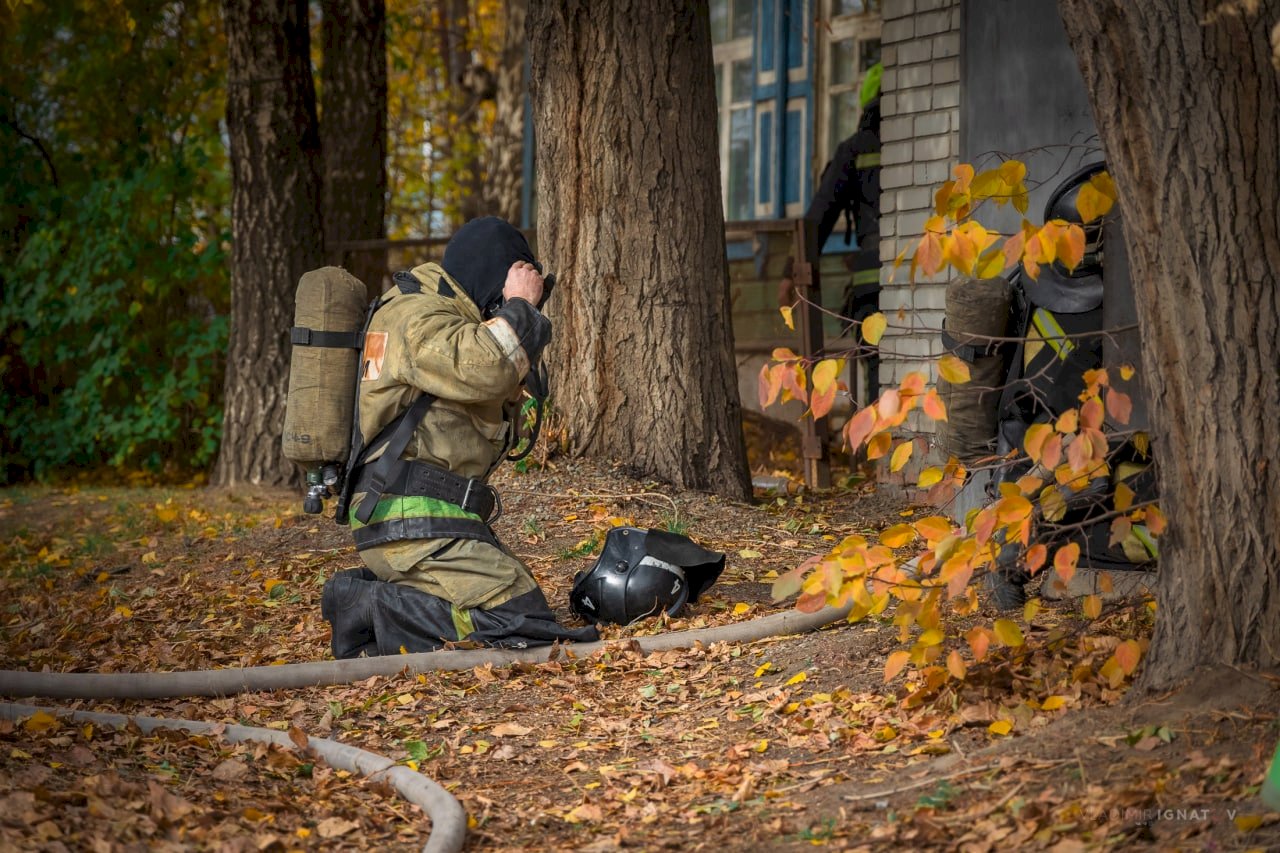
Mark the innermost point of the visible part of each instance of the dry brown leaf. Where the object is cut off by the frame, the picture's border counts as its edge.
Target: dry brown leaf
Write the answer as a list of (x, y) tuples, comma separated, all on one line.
[(334, 827)]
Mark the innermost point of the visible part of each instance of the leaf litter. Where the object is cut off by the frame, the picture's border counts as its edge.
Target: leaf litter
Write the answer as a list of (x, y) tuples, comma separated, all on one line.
[(785, 742)]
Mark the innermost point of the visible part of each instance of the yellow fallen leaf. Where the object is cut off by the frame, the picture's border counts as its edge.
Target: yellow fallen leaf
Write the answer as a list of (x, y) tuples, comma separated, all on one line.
[(1000, 727), (786, 316), (41, 721), (763, 668), (547, 744), (761, 745), (797, 678), (1053, 703), (1247, 822), (748, 554), (166, 514), (740, 608)]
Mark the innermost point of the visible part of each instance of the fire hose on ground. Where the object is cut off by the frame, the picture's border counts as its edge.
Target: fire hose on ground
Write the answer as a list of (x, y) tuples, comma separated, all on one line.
[(448, 819)]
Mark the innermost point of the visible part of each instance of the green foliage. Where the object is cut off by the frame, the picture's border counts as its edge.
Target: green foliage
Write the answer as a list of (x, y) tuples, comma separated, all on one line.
[(113, 210), (116, 324)]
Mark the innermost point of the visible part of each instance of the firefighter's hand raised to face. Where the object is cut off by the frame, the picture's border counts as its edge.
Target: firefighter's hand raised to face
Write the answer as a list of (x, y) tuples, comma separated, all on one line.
[(523, 282)]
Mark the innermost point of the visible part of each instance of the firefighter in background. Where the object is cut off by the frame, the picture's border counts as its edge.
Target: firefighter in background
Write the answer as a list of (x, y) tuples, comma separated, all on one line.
[(850, 185)]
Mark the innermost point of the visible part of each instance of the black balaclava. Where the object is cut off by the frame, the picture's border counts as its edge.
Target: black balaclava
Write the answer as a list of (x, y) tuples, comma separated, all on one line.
[(479, 257)]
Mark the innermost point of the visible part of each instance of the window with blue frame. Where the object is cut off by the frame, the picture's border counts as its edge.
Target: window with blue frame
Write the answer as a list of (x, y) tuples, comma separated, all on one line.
[(731, 23)]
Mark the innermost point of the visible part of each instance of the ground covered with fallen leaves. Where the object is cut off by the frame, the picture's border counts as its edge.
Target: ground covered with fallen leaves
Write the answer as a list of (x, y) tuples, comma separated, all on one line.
[(782, 743)]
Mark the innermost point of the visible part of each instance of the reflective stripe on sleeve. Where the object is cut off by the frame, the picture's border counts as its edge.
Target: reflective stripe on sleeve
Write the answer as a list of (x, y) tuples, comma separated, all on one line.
[(1052, 333), (509, 342)]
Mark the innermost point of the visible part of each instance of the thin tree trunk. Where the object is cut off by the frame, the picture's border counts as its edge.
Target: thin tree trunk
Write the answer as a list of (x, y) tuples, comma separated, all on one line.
[(504, 155), (630, 217), (275, 223), (1189, 114), (353, 131)]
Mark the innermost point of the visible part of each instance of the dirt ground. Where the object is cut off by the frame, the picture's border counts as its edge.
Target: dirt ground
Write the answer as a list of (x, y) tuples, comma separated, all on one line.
[(785, 743)]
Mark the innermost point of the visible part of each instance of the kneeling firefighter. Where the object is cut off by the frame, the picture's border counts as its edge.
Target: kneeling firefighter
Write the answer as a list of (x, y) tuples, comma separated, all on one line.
[(446, 353)]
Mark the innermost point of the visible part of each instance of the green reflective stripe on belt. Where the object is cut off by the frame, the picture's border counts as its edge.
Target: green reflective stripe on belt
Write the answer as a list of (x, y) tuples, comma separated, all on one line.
[(1047, 325), (867, 161), (414, 506), (867, 276), (1144, 536)]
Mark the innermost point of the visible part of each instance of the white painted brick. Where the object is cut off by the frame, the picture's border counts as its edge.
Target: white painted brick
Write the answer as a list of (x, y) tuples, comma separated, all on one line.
[(913, 76), (931, 297), (930, 5), (914, 101), (914, 198), (932, 174), (947, 96), (946, 71), (900, 30), (932, 23), (894, 155), (945, 45), (891, 9), (933, 148), (889, 55), (892, 177), (929, 318), (910, 52), (888, 105), (931, 124), (892, 129), (889, 80), (889, 249), (913, 223)]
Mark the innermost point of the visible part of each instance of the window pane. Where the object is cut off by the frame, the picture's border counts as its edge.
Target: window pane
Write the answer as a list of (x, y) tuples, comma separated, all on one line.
[(720, 84), (742, 18), (719, 20), (868, 53), (844, 117), (741, 81), (843, 61), (847, 7), (739, 201)]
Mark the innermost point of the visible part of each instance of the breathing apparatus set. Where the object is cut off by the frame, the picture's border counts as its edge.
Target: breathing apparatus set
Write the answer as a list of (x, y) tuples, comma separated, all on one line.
[(332, 313), (1029, 343)]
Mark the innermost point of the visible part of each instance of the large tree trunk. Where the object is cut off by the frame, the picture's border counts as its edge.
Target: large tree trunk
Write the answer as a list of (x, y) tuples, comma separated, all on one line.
[(1189, 114), (630, 217), (504, 152), (275, 223), (353, 131)]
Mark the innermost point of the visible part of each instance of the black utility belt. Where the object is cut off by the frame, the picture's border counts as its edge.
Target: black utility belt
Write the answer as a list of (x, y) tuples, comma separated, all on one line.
[(418, 479)]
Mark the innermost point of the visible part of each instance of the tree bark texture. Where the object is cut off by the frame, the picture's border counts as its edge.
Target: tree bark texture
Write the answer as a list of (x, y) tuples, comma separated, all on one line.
[(275, 222), (504, 150), (1188, 108), (353, 131), (629, 216)]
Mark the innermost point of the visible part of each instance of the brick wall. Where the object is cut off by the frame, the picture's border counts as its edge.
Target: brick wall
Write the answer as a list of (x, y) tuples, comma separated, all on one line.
[(920, 139)]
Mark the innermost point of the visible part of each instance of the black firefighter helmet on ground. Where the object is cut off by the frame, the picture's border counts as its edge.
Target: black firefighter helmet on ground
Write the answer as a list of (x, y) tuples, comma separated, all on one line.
[(643, 573)]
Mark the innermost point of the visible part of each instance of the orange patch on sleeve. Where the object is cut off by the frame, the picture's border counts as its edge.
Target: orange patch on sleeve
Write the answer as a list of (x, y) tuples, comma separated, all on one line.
[(375, 351)]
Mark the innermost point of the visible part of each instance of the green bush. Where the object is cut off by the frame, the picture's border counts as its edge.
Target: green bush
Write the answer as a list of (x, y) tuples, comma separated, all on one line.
[(115, 321)]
